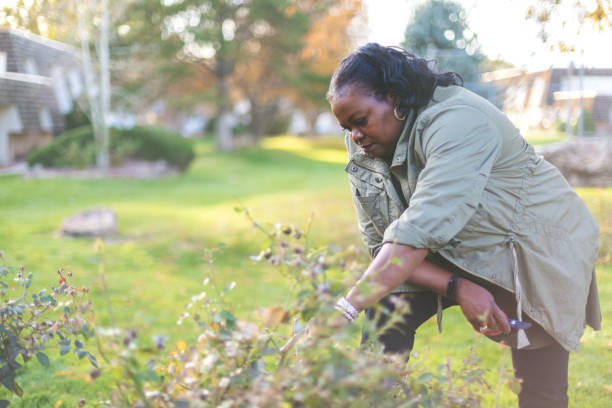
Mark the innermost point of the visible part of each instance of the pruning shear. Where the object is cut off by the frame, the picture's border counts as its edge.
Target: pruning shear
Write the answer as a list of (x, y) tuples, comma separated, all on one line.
[(514, 325), (518, 325)]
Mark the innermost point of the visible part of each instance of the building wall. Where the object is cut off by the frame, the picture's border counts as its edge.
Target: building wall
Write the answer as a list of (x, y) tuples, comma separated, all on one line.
[(30, 98), (20, 144), (35, 69)]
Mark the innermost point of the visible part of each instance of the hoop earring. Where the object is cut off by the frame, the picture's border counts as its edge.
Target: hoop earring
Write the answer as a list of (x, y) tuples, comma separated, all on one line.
[(397, 115)]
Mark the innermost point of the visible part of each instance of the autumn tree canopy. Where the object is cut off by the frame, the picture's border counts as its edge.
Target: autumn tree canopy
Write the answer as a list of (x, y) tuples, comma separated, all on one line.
[(569, 19), (260, 51), (222, 51)]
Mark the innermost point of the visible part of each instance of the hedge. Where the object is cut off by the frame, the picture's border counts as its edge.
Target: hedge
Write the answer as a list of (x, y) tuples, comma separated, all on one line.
[(75, 148)]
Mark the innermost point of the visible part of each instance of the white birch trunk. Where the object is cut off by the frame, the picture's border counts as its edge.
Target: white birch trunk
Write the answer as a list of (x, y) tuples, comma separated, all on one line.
[(103, 153), (97, 88)]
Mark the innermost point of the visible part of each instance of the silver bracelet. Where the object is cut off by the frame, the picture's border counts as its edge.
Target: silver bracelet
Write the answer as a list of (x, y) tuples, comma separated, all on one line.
[(346, 315), (347, 309)]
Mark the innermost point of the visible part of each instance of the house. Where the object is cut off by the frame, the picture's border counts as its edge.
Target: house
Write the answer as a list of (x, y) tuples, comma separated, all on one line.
[(540, 99), (39, 79)]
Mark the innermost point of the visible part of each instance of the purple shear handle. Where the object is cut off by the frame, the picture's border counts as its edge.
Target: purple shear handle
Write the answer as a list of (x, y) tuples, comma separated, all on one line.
[(517, 324)]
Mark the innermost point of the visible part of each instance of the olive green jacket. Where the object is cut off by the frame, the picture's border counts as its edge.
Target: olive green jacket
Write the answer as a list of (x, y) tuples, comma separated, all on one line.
[(474, 192)]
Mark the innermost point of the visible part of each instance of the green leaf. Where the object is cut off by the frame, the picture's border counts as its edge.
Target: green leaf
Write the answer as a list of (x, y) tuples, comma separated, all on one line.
[(425, 377), (92, 360), (64, 350), (225, 314), (268, 351), (78, 344), (17, 390), (149, 375), (42, 358), (4, 403)]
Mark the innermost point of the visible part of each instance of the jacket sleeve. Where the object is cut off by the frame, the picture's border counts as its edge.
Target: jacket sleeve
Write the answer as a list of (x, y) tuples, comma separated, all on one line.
[(370, 233), (459, 147)]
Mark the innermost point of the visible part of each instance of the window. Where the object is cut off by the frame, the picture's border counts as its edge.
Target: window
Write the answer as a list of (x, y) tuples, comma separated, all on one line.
[(29, 65), (75, 83), (62, 93), (44, 118)]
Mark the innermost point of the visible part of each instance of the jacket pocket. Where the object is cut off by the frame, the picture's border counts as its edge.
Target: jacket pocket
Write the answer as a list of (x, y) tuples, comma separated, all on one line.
[(376, 207)]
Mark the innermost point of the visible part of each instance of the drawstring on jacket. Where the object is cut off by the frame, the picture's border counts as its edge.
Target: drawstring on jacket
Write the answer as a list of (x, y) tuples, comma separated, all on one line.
[(521, 337)]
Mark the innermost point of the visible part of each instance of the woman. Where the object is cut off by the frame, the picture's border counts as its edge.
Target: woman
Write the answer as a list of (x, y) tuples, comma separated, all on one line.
[(456, 208)]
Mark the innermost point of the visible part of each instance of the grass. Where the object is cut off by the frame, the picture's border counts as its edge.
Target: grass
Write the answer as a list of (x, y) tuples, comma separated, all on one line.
[(155, 263), (539, 137)]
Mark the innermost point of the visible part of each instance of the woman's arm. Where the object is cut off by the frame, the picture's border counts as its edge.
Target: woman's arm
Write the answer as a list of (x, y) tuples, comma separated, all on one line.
[(397, 263)]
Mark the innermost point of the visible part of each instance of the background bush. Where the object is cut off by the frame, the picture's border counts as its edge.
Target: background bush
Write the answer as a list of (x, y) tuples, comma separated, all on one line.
[(77, 117), (75, 148), (153, 144), (588, 123)]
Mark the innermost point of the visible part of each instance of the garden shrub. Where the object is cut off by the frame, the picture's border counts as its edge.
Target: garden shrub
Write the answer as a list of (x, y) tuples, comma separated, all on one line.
[(76, 148), (30, 322), (588, 124), (149, 143), (239, 363), (76, 118)]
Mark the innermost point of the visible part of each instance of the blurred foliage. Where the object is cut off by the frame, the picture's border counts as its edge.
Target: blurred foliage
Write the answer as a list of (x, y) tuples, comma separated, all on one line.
[(77, 117), (75, 148), (588, 124), (439, 31), (30, 322), (571, 17), (237, 363)]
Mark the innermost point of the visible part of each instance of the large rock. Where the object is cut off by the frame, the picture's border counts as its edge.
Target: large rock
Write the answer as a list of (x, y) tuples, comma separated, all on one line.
[(95, 222), (584, 163)]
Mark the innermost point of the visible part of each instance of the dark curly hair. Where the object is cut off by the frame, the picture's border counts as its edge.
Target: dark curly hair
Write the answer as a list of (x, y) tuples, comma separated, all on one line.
[(391, 71)]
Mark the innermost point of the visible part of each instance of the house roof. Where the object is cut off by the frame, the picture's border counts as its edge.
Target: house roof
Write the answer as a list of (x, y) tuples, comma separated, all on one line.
[(33, 79), (60, 46)]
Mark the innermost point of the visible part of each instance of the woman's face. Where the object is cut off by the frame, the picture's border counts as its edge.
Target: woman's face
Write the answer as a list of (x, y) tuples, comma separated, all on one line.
[(369, 120)]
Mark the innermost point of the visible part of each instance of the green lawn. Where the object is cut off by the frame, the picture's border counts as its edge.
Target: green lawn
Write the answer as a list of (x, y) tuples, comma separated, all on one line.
[(154, 264), (539, 137)]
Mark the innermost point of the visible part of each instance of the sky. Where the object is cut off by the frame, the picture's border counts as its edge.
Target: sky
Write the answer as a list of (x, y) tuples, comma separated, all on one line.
[(502, 30)]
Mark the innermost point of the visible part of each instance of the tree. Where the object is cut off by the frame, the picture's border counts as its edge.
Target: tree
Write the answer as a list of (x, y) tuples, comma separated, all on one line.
[(297, 68), (232, 50), (439, 30), (330, 38)]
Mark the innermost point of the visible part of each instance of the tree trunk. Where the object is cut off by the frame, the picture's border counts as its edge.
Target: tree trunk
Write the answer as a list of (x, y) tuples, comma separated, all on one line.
[(262, 116), (98, 102), (311, 121), (103, 148), (223, 128)]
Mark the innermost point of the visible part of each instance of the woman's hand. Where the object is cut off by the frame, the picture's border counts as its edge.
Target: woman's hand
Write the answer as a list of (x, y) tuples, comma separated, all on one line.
[(479, 308)]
